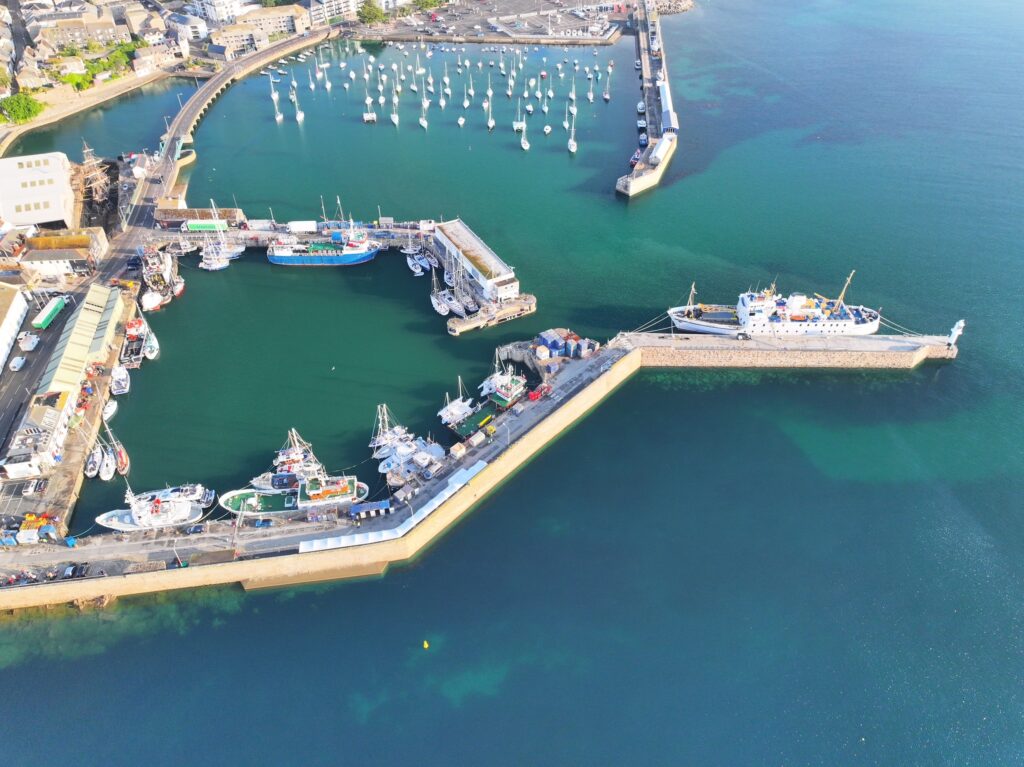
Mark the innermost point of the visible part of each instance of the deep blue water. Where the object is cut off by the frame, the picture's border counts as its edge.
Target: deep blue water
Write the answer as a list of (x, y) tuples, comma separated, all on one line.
[(714, 567)]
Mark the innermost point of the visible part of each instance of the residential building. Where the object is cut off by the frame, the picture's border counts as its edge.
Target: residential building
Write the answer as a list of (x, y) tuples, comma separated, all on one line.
[(36, 189), (145, 25), (322, 11), (239, 38), (87, 338), (153, 57), (220, 53), (223, 11), (80, 30), (13, 310), (69, 65), (190, 27), (281, 20)]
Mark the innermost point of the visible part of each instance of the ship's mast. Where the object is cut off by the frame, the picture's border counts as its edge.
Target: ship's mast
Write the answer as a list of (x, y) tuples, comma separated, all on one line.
[(693, 294), (842, 295)]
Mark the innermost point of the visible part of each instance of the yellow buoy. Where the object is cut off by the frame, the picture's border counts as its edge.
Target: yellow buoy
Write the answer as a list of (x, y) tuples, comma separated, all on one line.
[(426, 645)]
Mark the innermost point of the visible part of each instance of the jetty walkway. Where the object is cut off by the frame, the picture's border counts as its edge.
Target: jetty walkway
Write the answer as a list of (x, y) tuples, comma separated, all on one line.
[(305, 552), (662, 121)]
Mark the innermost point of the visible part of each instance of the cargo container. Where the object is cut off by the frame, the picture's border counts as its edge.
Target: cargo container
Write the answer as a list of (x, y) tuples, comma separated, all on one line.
[(457, 450), (302, 227), (476, 439), (49, 312), (543, 353), (213, 225)]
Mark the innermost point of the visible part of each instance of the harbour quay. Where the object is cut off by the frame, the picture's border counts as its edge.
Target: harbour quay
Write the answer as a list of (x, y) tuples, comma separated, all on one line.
[(576, 376), (657, 121), (484, 289)]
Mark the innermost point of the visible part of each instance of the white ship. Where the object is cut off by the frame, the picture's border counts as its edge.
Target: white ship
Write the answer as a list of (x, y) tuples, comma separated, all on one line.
[(193, 493), (767, 312), (151, 513)]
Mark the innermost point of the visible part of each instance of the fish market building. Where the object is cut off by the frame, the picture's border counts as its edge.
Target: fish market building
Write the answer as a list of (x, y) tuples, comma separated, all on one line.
[(88, 337), (458, 244)]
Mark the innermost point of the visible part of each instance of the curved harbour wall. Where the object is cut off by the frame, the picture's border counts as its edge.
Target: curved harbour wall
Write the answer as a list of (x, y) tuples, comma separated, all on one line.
[(336, 564)]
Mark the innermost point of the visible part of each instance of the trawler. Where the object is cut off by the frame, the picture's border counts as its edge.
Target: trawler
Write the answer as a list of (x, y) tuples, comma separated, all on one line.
[(298, 482), (345, 248), (293, 462), (151, 513), (767, 312)]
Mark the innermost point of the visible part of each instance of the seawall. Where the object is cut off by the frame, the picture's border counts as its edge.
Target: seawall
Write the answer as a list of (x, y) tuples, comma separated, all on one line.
[(336, 564)]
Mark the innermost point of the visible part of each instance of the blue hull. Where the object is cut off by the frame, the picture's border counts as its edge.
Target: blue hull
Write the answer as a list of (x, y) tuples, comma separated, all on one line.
[(309, 259)]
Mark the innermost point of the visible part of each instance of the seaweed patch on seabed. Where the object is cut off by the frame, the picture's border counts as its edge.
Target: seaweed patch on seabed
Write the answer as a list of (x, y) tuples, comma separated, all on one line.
[(66, 633), (705, 380)]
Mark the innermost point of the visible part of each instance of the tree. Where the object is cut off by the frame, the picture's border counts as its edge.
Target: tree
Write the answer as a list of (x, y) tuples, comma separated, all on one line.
[(20, 108), (426, 5), (5, 78), (370, 13)]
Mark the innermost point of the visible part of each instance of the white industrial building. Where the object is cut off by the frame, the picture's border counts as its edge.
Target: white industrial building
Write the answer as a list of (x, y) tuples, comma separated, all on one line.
[(13, 310), (459, 244), (36, 189)]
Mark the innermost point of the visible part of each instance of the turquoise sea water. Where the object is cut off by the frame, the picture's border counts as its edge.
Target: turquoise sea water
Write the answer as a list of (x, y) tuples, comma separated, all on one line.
[(714, 567)]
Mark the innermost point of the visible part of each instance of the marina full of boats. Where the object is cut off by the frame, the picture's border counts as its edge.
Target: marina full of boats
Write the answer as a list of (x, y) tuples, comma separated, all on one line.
[(454, 83)]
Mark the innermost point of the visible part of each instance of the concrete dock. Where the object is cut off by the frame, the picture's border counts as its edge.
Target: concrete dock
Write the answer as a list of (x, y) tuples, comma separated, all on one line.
[(305, 552), (662, 121)]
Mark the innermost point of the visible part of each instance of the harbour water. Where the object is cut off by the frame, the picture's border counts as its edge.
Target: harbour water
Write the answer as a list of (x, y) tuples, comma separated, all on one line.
[(714, 567)]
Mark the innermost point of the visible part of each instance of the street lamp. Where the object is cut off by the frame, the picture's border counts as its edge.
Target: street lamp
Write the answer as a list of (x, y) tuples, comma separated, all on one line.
[(179, 101)]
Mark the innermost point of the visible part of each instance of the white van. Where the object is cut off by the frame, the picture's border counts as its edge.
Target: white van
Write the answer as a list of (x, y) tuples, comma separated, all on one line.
[(17, 364)]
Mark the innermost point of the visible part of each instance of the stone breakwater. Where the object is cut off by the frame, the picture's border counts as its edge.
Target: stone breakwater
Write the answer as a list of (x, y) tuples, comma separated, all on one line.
[(668, 7)]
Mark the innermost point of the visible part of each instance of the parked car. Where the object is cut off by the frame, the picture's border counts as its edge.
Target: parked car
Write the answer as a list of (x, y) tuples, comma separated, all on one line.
[(30, 487), (17, 364), (194, 529)]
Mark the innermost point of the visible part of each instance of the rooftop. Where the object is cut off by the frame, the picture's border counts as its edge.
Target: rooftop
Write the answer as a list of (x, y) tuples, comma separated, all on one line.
[(475, 250), (82, 341), (7, 295)]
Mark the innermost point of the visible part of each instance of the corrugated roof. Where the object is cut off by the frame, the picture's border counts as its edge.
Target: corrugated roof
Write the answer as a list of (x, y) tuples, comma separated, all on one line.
[(82, 342), (474, 249)]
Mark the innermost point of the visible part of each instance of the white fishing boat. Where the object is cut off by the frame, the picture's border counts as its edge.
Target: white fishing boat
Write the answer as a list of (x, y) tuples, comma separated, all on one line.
[(461, 121), (523, 142), (120, 380), (423, 118), (490, 118), (767, 313), (155, 514), (193, 493), (547, 130), (572, 137), (150, 347), (414, 266), (110, 409)]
